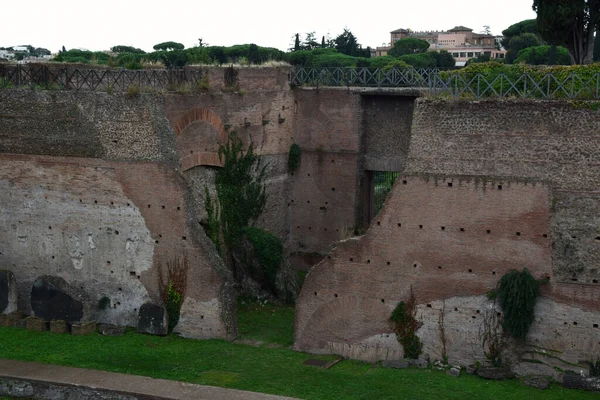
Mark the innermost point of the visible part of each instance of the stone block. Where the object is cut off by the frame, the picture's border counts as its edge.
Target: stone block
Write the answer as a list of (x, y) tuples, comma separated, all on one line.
[(536, 381), (573, 381), (53, 298), (453, 372), (153, 320), (35, 324), (21, 323), (83, 328), (8, 292), (111, 330), (58, 326), (10, 319)]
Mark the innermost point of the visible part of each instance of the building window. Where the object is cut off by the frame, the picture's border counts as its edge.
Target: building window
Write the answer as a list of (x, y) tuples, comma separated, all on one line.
[(463, 55), (454, 55), (501, 55), (477, 54), (470, 54)]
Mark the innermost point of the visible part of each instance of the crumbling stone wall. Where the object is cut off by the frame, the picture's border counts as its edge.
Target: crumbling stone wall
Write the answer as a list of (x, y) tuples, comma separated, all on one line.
[(98, 189), (488, 186)]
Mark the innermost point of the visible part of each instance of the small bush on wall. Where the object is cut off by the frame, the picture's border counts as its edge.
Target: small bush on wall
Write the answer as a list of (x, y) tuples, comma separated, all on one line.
[(405, 326), (171, 286), (294, 157), (517, 292)]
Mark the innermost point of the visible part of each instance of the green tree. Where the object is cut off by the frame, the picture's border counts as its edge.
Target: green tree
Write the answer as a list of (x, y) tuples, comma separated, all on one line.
[(544, 55), (444, 59), (408, 46), (569, 23), (127, 49), (297, 43), (526, 26), (597, 47), (347, 43), (254, 54), (518, 43), (168, 46), (310, 42)]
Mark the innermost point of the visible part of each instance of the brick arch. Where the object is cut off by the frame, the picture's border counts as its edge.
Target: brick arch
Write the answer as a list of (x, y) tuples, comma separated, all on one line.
[(198, 157)]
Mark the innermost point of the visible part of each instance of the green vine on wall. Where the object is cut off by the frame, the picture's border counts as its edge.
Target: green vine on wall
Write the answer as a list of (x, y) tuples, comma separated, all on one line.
[(405, 326), (294, 157), (517, 292)]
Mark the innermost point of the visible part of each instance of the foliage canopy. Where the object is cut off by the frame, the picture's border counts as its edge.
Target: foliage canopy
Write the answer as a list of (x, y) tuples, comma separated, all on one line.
[(569, 23), (408, 46), (517, 292)]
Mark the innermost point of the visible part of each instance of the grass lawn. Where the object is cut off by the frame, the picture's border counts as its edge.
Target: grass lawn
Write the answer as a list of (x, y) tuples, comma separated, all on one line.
[(268, 369)]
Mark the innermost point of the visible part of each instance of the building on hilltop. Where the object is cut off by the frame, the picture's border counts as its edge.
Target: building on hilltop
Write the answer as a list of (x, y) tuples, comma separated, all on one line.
[(460, 41)]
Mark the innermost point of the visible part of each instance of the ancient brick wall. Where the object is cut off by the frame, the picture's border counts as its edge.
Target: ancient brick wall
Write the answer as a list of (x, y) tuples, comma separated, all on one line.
[(325, 187), (105, 219), (387, 121), (488, 186)]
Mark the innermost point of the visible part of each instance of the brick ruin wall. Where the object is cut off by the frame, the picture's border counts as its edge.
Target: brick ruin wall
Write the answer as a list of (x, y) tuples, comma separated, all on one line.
[(98, 188), (94, 189), (486, 186)]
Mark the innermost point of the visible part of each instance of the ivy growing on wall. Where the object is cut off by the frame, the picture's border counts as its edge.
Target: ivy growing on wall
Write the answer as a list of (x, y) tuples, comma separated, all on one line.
[(517, 292), (293, 157)]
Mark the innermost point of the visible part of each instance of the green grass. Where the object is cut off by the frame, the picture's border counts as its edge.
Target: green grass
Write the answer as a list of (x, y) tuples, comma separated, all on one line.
[(268, 369), (265, 322), (262, 369)]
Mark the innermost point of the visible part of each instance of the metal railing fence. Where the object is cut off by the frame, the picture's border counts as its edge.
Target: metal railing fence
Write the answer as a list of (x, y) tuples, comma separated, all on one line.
[(540, 84), (65, 78)]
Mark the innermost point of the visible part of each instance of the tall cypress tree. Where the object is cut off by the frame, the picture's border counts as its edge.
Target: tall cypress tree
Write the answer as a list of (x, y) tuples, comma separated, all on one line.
[(297, 42)]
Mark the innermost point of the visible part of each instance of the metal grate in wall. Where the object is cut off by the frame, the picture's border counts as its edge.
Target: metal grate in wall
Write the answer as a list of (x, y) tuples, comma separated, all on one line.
[(382, 184)]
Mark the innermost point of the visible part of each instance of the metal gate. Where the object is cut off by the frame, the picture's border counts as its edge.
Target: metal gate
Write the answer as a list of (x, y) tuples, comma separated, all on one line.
[(382, 182)]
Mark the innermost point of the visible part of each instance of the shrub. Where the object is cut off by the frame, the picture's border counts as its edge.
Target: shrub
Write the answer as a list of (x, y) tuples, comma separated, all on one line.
[(293, 157), (595, 367), (380, 62), (241, 194), (171, 286), (406, 325), (132, 91), (493, 339), (542, 55), (517, 293), (269, 250), (498, 76), (420, 60)]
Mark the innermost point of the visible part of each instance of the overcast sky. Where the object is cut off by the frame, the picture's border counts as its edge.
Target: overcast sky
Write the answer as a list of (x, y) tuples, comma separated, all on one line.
[(102, 24)]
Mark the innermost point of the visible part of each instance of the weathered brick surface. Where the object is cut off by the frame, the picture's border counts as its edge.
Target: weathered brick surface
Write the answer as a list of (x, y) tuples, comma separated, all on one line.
[(325, 188), (432, 237), (526, 171), (386, 131), (106, 219), (547, 141)]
